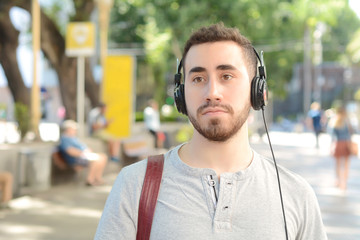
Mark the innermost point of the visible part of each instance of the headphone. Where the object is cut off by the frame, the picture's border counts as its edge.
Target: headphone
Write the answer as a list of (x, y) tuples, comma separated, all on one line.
[(258, 87)]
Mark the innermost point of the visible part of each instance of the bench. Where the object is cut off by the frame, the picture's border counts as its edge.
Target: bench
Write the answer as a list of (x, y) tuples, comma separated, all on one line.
[(61, 172), (137, 148), (133, 150)]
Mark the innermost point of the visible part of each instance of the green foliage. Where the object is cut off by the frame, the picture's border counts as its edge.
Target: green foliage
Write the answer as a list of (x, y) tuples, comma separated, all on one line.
[(184, 134), (354, 49), (126, 20), (139, 116), (22, 117), (276, 27), (174, 116), (357, 95), (60, 12)]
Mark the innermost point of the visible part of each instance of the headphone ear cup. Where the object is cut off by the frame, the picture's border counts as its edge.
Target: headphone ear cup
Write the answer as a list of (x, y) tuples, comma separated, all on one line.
[(258, 93), (254, 92), (179, 96)]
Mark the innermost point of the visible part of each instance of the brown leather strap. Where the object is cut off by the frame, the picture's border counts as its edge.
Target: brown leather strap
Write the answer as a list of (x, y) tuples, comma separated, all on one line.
[(149, 195)]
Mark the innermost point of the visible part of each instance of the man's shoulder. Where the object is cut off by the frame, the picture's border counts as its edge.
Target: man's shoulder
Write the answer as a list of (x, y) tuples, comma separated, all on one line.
[(138, 169), (135, 170), (288, 178)]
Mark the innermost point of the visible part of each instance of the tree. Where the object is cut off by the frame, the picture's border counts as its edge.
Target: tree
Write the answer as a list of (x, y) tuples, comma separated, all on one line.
[(53, 47), (8, 45), (277, 27)]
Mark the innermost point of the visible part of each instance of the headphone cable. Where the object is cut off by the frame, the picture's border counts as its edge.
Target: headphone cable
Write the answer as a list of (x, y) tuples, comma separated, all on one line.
[(277, 173)]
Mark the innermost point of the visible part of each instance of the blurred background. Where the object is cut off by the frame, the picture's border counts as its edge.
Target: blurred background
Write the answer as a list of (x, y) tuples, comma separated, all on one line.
[(311, 51)]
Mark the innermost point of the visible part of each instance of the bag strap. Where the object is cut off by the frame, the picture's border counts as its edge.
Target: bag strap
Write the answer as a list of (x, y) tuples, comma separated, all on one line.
[(149, 195)]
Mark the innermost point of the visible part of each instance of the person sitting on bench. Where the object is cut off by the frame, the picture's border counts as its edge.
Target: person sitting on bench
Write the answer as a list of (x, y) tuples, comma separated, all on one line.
[(77, 153)]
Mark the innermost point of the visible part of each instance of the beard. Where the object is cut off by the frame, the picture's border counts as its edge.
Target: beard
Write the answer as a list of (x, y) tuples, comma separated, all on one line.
[(215, 130)]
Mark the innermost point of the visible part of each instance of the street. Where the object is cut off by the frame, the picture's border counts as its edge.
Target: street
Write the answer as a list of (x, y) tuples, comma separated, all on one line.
[(73, 211)]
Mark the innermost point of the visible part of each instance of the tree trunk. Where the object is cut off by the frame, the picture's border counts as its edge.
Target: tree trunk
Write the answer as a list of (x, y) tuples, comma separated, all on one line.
[(53, 47), (8, 46)]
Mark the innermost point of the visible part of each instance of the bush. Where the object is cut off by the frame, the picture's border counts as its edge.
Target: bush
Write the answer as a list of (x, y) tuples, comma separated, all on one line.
[(22, 118)]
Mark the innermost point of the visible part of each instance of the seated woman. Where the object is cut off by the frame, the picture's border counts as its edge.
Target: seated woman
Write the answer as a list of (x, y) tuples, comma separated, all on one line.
[(77, 153)]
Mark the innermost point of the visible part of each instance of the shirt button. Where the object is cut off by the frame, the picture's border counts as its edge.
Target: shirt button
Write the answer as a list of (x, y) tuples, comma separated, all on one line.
[(225, 208)]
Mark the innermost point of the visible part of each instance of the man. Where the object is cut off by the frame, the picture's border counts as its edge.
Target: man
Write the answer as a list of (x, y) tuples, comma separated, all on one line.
[(77, 153), (152, 123), (98, 124), (315, 120), (215, 186)]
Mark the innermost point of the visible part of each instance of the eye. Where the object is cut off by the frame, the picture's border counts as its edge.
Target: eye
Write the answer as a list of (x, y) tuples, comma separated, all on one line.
[(227, 77), (198, 79)]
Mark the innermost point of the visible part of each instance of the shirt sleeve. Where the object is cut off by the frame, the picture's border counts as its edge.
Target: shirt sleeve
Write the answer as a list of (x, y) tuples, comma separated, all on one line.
[(312, 226), (120, 215), (64, 144)]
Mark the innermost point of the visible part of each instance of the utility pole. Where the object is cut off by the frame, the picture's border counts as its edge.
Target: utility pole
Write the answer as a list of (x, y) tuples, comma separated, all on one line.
[(318, 59), (307, 70), (35, 90), (104, 7)]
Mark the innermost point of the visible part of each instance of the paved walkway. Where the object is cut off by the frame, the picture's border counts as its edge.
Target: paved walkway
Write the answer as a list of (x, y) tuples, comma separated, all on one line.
[(72, 211)]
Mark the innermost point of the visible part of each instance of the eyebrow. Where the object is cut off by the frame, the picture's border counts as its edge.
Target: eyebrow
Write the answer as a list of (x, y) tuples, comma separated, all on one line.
[(220, 67), (197, 69), (226, 67)]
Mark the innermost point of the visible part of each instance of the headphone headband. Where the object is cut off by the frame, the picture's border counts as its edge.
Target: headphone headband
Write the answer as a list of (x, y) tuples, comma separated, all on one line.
[(261, 68)]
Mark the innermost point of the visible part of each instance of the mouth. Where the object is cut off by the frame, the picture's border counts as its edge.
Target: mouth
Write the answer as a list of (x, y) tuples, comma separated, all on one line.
[(214, 111), (211, 109)]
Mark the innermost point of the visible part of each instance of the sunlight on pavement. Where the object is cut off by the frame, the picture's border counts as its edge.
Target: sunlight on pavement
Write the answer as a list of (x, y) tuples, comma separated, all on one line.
[(297, 139), (23, 229), (27, 202), (45, 208), (340, 231), (84, 212), (331, 191)]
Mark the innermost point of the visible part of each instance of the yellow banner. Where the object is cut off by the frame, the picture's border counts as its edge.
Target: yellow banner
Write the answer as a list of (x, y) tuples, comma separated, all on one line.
[(118, 94)]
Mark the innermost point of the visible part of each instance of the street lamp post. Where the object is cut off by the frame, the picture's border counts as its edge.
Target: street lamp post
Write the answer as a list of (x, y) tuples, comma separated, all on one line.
[(104, 7), (347, 75), (35, 90)]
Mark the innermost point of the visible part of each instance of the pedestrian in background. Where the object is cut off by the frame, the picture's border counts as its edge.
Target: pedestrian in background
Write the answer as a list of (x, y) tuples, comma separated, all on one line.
[(315, 117), (341, 132), (152, 123), (98, 124), (77, 153)]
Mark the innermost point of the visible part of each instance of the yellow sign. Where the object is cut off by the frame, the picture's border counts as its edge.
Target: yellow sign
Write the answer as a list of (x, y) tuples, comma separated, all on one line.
[(80, 39), (118, 94)]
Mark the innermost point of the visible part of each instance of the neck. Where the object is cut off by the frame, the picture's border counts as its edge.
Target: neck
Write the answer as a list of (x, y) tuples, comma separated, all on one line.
[(231, 156)]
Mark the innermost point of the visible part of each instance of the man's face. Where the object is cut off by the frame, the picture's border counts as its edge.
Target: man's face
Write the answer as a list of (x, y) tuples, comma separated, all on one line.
[(217, 89)]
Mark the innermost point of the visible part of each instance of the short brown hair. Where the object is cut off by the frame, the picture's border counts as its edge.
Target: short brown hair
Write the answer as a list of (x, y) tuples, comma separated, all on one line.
[(218, 32)]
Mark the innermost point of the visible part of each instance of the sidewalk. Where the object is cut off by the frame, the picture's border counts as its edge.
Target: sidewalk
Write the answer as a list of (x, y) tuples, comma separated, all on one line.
[(73, 211), (340, 210), (68, 211)]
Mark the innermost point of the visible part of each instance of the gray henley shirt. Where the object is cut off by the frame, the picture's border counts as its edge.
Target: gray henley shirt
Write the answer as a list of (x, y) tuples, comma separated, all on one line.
[(248, 204)]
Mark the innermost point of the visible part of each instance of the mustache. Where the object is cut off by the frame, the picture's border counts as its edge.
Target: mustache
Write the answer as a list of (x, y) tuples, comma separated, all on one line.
[(226, 107)]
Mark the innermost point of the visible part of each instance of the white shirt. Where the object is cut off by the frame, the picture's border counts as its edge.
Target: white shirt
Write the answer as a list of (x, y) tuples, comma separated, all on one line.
[(152, 119)]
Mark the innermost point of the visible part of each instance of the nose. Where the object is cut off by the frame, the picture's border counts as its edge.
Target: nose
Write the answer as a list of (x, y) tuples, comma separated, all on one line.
[(214, 92)]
